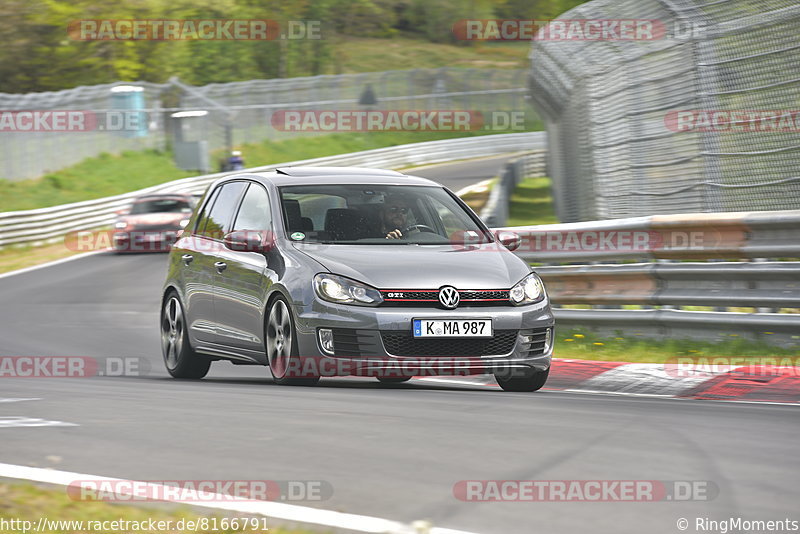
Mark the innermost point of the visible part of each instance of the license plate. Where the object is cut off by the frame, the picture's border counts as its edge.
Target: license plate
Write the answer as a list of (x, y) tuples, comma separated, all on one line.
[(452, 327)]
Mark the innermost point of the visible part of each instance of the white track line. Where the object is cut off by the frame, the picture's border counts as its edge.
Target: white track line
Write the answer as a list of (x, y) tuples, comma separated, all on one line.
[(287, 512), (445, 380), (21, 421), (51, 263)]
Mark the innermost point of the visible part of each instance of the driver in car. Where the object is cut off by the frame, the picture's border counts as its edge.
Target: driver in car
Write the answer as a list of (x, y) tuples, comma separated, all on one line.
[(394, 217)]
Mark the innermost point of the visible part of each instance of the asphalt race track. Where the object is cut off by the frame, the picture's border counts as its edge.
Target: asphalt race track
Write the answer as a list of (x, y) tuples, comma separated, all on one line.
[(393, 452)]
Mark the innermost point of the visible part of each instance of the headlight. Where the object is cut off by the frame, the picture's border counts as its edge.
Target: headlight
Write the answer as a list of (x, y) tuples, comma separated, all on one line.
[(345, 291), (184, 222), (121, 225), (529, 289)]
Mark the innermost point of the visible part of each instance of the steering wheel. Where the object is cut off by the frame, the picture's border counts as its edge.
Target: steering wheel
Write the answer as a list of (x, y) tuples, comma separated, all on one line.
[(418, 228)]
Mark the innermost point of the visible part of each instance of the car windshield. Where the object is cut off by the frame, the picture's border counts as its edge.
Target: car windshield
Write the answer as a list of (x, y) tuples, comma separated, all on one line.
[(378, 215), (160, 205)]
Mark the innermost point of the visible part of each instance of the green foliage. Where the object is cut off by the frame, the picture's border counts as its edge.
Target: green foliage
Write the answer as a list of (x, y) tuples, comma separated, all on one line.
[(40, 54), (534, 9)]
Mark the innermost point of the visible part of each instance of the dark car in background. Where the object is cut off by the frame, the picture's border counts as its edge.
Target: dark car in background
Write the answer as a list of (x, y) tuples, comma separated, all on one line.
[(153, 222), (347, 271)]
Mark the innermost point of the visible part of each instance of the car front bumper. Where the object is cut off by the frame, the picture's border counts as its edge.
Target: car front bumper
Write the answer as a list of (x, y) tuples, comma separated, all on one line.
[(378, 341)]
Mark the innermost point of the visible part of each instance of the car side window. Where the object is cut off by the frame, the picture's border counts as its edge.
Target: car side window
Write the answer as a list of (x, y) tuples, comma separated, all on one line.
[(221, 215), (203, 217), (453, 221), (255, 213)]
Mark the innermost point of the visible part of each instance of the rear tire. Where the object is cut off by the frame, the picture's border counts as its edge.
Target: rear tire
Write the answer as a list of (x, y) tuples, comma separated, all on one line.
[(179, 357), (525, 381), (281, 347)]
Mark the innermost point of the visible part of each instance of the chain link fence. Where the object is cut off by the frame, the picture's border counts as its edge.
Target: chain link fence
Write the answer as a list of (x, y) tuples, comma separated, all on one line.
[(32, 153), (703, 119), (250, 105), (224, 115)]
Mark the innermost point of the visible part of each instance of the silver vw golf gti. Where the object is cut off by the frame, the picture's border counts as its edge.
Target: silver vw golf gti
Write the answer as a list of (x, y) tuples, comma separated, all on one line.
[(319, 271)]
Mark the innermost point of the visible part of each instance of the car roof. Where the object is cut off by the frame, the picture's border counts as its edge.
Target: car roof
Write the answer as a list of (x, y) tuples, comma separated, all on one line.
[(334, 171), (335, 175)]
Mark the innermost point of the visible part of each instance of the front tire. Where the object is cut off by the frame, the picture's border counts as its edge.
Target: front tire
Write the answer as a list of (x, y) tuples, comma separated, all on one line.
[(179, 357), (525, 381), (281, 347)]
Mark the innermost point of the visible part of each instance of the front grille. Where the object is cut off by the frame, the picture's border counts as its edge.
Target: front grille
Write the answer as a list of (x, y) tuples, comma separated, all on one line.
[(484, 295), (413, 295), (404, 344), (429, 298)]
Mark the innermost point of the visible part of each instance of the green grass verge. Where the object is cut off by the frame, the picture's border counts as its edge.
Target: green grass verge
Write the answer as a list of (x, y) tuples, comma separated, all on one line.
[(270, 152), (98, 177), (583, 345), (532, 203), (29, 502), (108, 175)]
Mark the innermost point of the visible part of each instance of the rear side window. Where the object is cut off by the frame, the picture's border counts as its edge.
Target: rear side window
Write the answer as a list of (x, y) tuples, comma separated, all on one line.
[(221, 215), (255, 213)]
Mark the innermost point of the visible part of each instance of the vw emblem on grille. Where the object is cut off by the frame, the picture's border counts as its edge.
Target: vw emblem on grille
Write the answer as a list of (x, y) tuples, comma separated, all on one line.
[(448, 296)]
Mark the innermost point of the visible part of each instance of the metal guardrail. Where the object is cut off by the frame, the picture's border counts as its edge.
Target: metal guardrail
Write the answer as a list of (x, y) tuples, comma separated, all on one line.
[(759, 285), (708, 236), (662, 240), (40, 225)]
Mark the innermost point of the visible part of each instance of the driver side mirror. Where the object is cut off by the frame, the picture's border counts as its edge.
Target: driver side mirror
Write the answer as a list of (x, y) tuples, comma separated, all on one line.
[(510, 240), (248, 241)]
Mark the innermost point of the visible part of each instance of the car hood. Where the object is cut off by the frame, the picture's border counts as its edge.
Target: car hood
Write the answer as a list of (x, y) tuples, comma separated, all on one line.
[(488, 266)]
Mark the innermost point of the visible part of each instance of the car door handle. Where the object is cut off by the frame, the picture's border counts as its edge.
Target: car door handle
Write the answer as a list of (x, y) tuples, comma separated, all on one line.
[(221, 266), (187, 259)]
